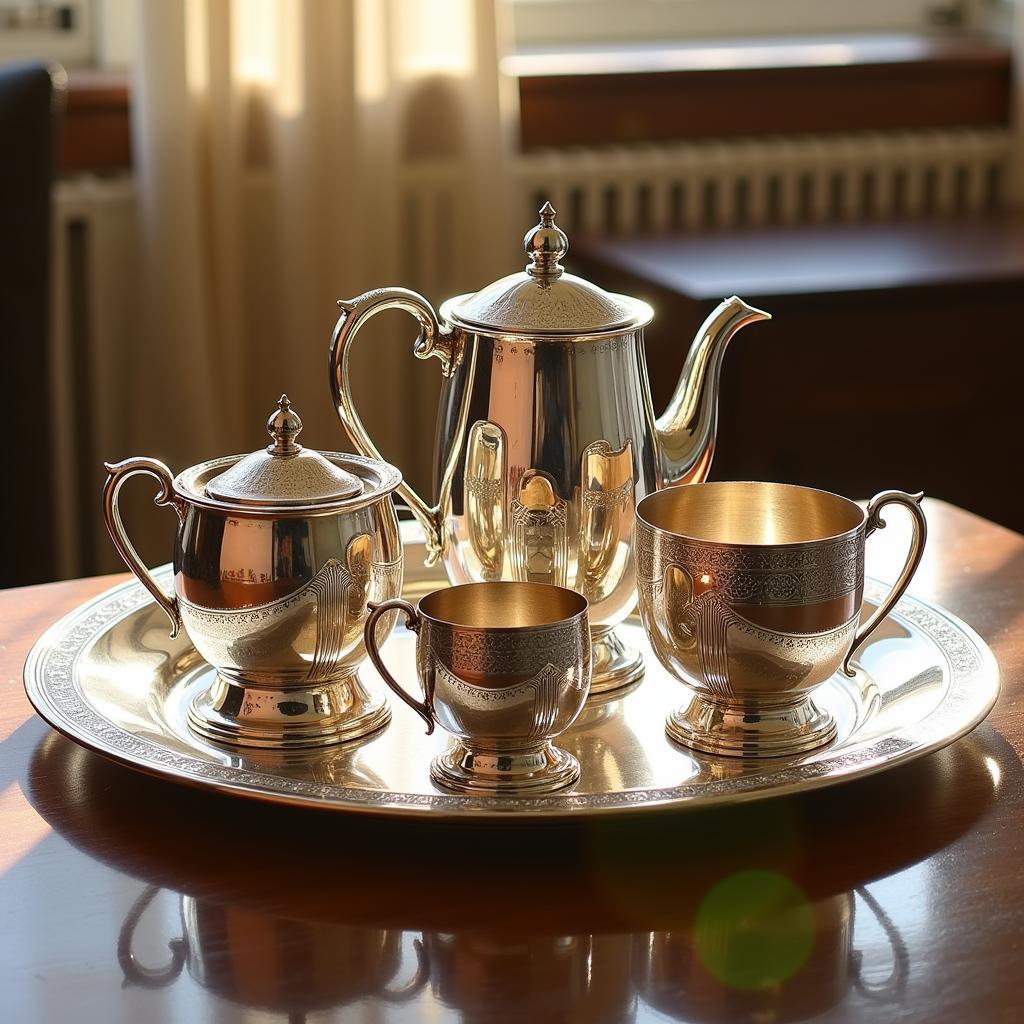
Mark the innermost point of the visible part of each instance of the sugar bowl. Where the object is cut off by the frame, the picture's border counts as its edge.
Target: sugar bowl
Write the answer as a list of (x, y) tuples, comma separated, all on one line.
[(276, 556)]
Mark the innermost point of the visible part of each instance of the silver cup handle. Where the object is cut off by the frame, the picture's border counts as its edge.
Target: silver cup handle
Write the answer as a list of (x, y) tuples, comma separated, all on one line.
[(424, 708), (118, 473), (876, 522)]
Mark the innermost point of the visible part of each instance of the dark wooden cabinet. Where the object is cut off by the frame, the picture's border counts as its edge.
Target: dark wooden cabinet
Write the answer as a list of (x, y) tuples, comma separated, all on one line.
[(894, 358)]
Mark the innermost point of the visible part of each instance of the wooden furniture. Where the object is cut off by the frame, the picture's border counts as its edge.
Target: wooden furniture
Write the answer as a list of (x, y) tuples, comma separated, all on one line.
[(26, 171), (894, 358), (673, 89), (96, 130), (127, 898)]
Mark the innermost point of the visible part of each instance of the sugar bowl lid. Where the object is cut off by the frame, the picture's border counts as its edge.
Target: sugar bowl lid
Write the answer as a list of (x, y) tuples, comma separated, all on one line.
[(545, 299), (284, 473)]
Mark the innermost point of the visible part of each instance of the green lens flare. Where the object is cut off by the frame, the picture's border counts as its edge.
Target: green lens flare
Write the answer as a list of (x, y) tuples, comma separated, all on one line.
[(754, 930)]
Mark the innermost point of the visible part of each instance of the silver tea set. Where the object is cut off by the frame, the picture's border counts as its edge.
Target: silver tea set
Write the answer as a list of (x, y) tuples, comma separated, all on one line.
[(559, 497)]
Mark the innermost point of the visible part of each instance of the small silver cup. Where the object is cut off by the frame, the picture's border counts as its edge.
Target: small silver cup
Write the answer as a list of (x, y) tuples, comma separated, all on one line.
[(504, 667)]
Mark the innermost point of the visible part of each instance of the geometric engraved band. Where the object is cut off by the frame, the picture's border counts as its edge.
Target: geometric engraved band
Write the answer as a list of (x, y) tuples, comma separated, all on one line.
[(773, 576), (513, 652)]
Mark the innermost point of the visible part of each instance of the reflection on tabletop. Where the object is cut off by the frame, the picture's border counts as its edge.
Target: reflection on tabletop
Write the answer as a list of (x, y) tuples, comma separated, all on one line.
[(763, 911)]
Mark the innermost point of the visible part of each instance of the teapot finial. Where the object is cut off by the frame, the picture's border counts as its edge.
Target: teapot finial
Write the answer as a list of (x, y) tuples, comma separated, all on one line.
[(546, 243), (284, 426)]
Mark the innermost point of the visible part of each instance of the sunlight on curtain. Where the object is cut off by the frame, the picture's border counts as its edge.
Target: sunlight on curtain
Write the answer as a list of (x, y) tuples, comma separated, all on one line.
[(274, 140), (439, 37), (253, 23)]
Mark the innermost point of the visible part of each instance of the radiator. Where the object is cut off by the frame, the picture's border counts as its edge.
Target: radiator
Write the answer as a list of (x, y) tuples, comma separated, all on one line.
[(94, 320), (760, 182), (680, 187)]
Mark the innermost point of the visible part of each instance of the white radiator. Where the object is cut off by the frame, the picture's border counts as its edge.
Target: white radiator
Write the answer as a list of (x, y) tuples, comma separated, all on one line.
[(756, 182), (93, 332), (679, 187)]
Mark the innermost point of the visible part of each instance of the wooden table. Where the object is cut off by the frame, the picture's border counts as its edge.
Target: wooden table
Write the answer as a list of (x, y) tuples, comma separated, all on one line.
[(127, 898)]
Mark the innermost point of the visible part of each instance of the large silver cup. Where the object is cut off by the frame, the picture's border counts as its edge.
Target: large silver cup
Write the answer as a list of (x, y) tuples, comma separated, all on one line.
[(751, 594)]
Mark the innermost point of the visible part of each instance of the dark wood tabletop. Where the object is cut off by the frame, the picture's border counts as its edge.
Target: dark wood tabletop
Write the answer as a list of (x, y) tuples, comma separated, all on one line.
[(897, 897)]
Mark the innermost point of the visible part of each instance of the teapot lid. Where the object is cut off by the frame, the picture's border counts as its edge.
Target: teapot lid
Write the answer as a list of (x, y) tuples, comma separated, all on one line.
[(546, 300), (284, 473)]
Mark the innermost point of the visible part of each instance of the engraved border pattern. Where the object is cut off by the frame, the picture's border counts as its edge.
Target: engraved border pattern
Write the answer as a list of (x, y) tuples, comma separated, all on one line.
[(771, 576), (49, 680), (471, 650)]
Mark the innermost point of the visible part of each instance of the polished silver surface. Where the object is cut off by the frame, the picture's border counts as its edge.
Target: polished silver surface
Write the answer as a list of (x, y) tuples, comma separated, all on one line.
[(273, 591), (504, 668), (108, 676), (751, 594), (546, 434), (284, 473), (546, 300)]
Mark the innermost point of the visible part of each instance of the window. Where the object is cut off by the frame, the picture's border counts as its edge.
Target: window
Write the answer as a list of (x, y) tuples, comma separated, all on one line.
[(75, 33), (560, 22)]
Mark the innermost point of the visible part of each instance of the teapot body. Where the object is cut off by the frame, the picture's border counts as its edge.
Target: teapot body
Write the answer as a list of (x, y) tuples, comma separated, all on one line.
[(544, 446)]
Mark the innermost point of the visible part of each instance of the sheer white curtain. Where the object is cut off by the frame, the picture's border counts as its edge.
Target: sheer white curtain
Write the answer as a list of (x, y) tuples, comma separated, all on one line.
[(273, 140)]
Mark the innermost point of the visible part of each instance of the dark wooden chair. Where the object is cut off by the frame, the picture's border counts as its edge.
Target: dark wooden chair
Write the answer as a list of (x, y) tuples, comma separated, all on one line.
[(26, 176)]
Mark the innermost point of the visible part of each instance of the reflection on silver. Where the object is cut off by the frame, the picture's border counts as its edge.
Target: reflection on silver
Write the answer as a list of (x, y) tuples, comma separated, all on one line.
[(540, 532), (485, 497), (276, 555)]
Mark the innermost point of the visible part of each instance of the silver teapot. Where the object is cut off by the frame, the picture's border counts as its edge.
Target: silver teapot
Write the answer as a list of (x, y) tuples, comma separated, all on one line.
[(546, 434), (276, 556)]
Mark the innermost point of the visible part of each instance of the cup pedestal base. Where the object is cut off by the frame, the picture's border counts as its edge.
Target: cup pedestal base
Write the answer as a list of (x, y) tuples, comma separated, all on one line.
[(615, 665), (750, 729), (240, 714), (532, 772)]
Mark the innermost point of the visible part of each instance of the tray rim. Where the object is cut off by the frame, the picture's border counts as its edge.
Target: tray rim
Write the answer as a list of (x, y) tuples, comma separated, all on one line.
[(973, 673)]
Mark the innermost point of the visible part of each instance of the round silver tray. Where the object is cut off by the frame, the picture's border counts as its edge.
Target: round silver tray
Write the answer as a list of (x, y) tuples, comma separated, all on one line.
[(108, 676)]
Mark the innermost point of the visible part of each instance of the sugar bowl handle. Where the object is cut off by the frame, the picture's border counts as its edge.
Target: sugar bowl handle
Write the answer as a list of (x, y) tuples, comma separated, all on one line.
[(912, 502), (118, 473), (412, 621)]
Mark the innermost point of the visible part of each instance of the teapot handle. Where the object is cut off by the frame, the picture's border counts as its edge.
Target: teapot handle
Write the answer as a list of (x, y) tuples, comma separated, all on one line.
[(118, 472), (432, 341)]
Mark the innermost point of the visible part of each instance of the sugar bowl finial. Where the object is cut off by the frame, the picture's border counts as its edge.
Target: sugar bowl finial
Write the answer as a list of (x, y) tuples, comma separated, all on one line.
[(284, 426), (546, 244)]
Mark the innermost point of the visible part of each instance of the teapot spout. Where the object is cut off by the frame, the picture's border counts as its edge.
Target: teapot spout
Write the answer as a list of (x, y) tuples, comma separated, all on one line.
[(687, 428)]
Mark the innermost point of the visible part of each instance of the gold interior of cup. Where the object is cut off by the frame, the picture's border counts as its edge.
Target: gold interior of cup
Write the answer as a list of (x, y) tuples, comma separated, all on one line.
[(503, 605), (730, 512)]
